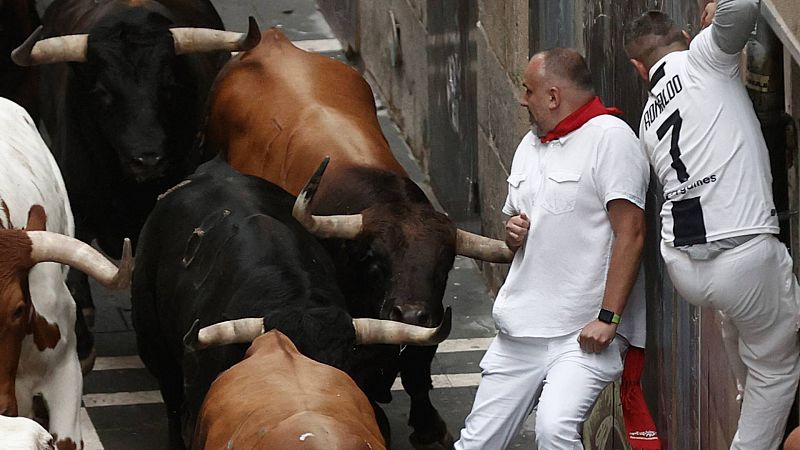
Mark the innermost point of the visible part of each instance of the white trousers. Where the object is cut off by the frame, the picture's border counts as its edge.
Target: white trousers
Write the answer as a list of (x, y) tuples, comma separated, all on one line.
[(753, 285), (518, 372)]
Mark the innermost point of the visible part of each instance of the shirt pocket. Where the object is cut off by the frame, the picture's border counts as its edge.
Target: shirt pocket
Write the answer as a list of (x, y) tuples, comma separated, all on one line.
[(516, 196), (516, 179), (560, 192)]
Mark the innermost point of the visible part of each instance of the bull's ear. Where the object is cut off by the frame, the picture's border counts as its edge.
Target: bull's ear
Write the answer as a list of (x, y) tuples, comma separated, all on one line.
[(45, 334), (37, 219)]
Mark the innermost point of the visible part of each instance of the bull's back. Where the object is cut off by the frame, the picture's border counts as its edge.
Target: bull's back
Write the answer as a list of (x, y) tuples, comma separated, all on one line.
[(279, 399), (29, 174), (278, 110)]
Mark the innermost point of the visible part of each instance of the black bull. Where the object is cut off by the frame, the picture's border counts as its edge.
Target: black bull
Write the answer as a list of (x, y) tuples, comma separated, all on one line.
[(224, 246), (123, 100)]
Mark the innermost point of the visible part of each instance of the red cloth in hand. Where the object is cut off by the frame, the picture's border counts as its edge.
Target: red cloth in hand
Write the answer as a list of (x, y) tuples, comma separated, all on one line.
[(639, 423)]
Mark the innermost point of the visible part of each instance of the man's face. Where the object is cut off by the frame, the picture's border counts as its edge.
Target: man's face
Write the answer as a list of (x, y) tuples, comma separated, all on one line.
[(534, 96)]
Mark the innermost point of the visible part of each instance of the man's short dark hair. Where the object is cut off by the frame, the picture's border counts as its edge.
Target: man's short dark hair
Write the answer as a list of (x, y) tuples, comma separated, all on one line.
[(651, 30), (566, 63)]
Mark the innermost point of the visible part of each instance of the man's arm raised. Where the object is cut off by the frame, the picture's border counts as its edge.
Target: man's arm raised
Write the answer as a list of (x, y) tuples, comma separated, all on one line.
[(733, 22)]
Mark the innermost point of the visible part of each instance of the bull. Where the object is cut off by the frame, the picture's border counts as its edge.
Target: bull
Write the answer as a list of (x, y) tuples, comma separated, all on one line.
[(279, 399), (18, 19), (37, 312), (222, 246), (275, 112), (124, 84)]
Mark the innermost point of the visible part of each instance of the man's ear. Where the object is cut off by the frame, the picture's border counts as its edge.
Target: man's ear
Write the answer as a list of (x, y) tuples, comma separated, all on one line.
[(554, 97), (686, 36), (641, 69)]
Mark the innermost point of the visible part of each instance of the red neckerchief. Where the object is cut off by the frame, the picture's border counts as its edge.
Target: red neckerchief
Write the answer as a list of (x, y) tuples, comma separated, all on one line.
[(580, 116)]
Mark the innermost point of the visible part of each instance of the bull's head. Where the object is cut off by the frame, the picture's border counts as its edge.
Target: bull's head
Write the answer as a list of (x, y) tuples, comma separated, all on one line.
[(131, 88), (20, 250), (406, 252), (306, 326)]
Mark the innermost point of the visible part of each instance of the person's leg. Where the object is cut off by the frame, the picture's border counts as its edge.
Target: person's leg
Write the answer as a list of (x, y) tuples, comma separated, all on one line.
[(573, 383), (753, 285), (730, 338), (761, 290), (513, 370)]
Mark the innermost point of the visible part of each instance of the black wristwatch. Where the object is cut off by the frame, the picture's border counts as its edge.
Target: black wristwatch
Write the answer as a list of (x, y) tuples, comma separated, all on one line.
[(608, 316)]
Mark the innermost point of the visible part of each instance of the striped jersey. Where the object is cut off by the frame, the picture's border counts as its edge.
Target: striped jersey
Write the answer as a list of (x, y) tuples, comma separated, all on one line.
[(704, 142)]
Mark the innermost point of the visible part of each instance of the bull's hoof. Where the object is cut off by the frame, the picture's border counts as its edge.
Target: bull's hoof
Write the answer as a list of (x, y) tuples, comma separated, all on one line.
[(87, 362), (443, 443)]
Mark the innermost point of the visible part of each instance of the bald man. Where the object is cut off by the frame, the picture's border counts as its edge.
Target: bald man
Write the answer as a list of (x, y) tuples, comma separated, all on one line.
[(576, 195), (719, 221)]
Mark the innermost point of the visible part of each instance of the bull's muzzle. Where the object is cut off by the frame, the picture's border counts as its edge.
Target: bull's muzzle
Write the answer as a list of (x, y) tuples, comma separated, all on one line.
[(147, 167), (412, 315)]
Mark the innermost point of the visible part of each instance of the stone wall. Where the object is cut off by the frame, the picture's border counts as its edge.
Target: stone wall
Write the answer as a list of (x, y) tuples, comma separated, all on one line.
[(502, 42), (404, 87)]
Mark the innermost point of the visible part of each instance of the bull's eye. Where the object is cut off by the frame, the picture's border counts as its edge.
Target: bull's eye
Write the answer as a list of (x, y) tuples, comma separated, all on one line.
[(102, 96), (19, 312)]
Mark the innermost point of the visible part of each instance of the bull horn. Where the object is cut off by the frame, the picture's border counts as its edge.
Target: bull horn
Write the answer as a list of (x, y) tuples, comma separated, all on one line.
[(374, 331), (341, 226), (54, 247), (239, 331), (482, 248), (33, 52), (198, 40)]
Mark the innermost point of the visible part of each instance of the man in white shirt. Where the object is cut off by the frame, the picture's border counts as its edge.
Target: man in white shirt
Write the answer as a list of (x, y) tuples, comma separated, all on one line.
[(576, 195), (718, 218)]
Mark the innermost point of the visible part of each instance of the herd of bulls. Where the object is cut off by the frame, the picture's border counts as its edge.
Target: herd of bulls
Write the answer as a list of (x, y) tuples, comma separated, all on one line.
[(275, 306)]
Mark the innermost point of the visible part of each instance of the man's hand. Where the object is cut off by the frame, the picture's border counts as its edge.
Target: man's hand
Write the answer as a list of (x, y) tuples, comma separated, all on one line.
[(596, 336), (516, 230), (708, 14)]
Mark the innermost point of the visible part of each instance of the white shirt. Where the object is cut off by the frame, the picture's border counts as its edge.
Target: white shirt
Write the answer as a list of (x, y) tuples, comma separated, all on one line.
[(556, 282), (705, 144)]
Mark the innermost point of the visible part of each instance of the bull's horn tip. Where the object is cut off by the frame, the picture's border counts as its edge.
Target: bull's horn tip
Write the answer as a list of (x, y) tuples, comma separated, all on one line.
[(22, 54), (123, 278), (447, 320), (253, 36), (127, 251)]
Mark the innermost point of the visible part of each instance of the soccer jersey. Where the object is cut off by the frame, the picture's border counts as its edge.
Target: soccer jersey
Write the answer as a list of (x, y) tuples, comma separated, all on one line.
[(705, 144)]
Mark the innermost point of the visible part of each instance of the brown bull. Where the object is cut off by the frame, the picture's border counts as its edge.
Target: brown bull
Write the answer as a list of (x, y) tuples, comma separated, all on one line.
[(276, 398), (276, 112)]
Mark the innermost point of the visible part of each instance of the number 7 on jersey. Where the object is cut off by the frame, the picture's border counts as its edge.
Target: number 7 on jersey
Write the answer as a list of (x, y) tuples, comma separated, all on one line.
[(674, 121)]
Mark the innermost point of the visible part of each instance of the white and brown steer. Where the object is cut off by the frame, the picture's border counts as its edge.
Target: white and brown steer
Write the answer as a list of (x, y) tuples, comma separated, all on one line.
[(37, 312)]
